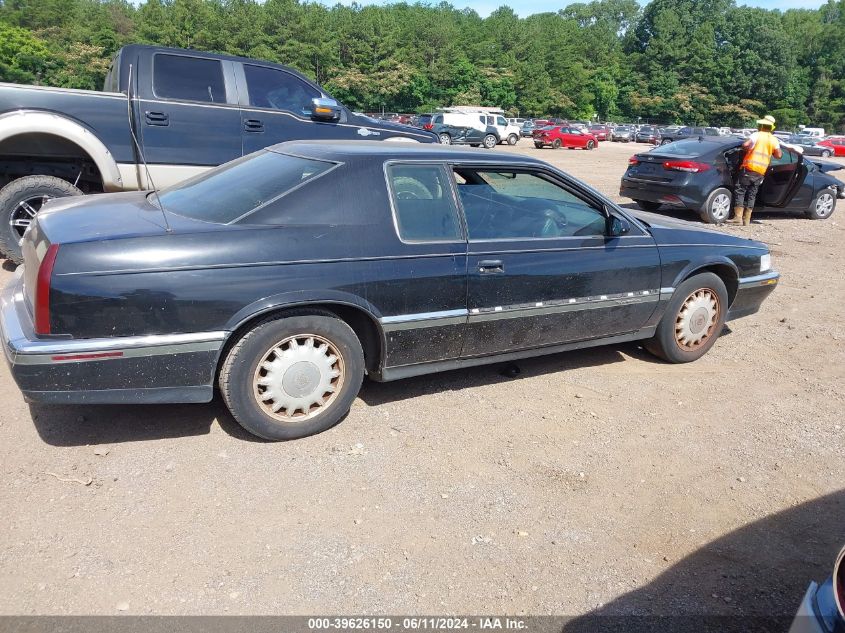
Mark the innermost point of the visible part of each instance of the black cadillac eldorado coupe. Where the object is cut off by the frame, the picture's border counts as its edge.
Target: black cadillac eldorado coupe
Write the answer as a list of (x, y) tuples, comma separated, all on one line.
[(286, 275)]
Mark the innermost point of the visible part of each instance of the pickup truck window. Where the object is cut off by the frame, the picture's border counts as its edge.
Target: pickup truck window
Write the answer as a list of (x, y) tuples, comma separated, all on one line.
[(236, 189), (188, 78), (276, 89)]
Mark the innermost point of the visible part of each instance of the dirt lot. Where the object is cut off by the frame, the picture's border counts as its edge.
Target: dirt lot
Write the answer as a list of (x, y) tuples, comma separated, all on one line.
[(597, 481)]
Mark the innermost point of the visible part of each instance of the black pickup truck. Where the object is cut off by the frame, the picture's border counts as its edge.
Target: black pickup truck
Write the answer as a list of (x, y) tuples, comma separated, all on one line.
[(180, 111)]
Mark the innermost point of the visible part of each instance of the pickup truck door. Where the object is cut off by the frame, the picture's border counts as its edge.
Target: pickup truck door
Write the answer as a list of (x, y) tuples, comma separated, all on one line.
[(275, 107), (187, 115)]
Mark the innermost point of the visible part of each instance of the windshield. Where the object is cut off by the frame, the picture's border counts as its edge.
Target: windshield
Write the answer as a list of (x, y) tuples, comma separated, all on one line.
[(229, 192)]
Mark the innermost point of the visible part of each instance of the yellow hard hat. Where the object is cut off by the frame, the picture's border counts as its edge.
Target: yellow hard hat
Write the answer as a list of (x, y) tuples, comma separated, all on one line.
[(767, 120)]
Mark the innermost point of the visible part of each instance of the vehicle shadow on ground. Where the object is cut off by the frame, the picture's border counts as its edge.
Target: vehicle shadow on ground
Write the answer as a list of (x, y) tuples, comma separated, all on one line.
[(752, 579), (376, 393), (692, 216), (81, 425), (110, 424)]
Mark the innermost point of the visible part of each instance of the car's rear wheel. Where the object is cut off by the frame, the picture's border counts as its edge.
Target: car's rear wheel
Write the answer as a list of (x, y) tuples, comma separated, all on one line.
[(445, 139), (20, 201), (823, 206), (591, 145), (717, 207), (490, 141), (665, 141), (647, 205), (538, 145), (556, 143), (293, 375), (693, 320), (513, 139)]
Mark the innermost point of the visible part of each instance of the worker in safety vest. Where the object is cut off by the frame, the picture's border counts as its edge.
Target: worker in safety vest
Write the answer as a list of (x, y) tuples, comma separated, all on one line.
[(759, 149)]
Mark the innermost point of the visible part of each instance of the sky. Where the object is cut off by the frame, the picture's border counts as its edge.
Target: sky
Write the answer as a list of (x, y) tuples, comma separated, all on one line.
[(527, 7)]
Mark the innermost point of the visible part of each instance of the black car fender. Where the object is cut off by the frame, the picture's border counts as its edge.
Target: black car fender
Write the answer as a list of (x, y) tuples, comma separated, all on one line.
[(723, 266)]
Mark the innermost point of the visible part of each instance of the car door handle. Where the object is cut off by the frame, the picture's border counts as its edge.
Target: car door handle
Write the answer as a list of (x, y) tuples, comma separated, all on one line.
[(156, 118), (491, 266), (253, 125)]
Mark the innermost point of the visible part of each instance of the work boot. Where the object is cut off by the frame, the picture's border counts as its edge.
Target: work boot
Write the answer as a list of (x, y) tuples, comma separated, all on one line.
[(737, 219), (746, 217)]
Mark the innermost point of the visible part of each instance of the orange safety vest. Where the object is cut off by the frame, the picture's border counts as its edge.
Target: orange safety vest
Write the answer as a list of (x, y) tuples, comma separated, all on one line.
[(757, 158)]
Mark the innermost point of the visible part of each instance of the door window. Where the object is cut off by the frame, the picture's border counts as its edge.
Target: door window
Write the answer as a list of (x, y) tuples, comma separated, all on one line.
[(188, 78), (502, 204), (787, 158), (423, 203), (501, 121), (276, 89)]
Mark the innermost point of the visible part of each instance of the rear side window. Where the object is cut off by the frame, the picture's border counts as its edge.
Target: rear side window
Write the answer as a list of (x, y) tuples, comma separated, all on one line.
[(276, 89), (234, 190), (188, 78), (422, 199)]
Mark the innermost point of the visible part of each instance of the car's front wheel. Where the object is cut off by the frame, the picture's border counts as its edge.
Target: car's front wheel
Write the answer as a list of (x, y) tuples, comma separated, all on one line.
[(823, 206), (693, 320), (717, 207), (445, 139), (490, 141), (591, 145), (20, 201), (826, 153), (665, 141), (513, 139), (293, 375), (556, 143)]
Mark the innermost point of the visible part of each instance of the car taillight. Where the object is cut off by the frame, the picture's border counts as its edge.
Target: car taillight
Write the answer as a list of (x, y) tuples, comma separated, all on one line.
[(633, 161), (42, 290), (685, 165), (428, 126)]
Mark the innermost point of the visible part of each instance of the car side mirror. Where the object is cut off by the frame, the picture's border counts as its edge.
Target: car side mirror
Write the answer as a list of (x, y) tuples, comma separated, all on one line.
[(325, 109), (617, 227)]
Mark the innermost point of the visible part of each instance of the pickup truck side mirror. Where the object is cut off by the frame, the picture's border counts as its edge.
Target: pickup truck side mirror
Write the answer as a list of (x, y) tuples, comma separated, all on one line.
[(325, 109)]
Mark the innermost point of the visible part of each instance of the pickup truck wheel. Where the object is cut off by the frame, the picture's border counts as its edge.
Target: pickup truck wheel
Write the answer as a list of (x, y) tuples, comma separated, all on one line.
[(490, 141), (693, 320), (445, 139), (20, 201), (293, 376), (513, 139), (823, 206)]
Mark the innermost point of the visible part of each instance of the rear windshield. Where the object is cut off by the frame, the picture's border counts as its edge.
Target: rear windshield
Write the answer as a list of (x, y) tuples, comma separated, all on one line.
[(687, 147), (229, 192)]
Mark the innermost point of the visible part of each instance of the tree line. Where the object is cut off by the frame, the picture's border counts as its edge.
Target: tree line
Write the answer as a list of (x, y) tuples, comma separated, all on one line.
[(671, 61)]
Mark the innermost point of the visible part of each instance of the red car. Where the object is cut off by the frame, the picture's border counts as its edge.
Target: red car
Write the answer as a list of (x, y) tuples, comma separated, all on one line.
[(836, 143), (601, 132), (561, 136)]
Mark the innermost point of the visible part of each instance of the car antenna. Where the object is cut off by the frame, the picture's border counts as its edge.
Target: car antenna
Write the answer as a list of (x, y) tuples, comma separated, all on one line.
[(141, 152)]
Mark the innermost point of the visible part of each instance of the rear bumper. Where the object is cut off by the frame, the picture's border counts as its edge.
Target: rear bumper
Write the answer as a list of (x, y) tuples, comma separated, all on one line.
[(651, 191), (143, 369), (751, 292)]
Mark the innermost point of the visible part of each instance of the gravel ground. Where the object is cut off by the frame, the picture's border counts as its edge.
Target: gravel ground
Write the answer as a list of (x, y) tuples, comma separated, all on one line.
[(599, 481)]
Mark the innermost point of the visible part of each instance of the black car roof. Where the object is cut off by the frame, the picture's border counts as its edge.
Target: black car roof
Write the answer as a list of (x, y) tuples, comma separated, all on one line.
[(381, 150)]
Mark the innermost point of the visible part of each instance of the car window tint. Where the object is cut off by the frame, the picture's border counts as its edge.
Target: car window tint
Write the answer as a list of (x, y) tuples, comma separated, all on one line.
[(276, 89), (422, 198), (188, 78), (230, 191), (523, 205), (787, 158)]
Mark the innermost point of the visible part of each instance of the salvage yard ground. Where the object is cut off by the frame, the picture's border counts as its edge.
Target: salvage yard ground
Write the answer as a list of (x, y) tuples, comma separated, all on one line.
[(596, 481)]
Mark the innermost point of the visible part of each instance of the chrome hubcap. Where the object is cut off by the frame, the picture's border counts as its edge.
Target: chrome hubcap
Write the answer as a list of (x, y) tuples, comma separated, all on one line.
[(824, 205), (25, 211), (445, 139), (697, 319), (298, 378), (721, 207)]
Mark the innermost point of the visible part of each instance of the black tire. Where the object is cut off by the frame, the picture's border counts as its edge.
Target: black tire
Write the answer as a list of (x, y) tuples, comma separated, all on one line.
[(513, 139), (665, 141), (826, 153), (538, 145), (822, 206), (714, 209), (33, 190), (591, 145), (240, 372), (646, 205), (445, 139), (666, 344), (490, 141), (556, 144), (474, 145)]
